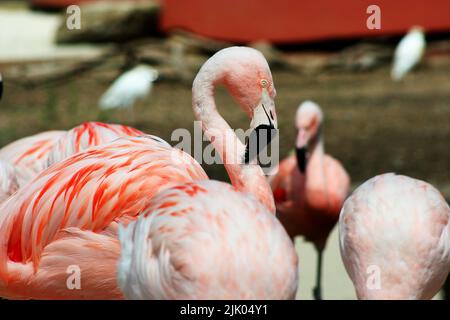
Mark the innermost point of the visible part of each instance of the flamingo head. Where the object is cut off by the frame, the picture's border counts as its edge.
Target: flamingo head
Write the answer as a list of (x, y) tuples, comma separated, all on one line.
[(308, 123), (249, 81), (246, 74)]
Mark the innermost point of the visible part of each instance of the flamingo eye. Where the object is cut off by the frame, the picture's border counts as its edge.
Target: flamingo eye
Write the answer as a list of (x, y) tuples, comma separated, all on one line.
[(264, 83)]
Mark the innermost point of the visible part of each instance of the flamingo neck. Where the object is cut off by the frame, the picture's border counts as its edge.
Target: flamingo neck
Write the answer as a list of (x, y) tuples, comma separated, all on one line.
[(315, 171), (247, 178)]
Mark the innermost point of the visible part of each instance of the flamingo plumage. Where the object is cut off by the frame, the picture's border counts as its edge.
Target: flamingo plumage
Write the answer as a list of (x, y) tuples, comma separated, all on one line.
[(310, 186), (8, 180), (31, 155), (395, 238), (89, 134), (80, 199), (236, 249), (70, 213)]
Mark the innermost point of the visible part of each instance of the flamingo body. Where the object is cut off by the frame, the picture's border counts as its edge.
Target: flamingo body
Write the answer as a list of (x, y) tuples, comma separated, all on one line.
[(89, 134), (8, 180), (310, 213), (29, 155), (90, 192), (398, 227), (205, 231), (33, 154)]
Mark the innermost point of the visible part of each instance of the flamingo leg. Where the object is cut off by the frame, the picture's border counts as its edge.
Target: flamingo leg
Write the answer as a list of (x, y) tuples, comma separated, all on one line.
[(317, 291)]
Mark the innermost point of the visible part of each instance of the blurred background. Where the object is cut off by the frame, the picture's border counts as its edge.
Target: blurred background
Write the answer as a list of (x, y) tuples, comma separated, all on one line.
[(320, 50)]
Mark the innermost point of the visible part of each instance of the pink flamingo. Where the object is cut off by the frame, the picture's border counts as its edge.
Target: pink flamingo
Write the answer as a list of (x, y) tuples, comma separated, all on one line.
[(86, 135), (29, 155), (395, 238), (33, 154), (311, 186), (69, 214)]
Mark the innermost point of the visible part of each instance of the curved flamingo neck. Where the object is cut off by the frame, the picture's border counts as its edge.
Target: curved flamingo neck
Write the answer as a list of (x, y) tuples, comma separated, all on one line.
[(247, 178)]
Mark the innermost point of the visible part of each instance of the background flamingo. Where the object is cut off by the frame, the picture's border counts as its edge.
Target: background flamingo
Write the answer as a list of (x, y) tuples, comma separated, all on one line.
[(395, 238), (70, 212), (310, 186)]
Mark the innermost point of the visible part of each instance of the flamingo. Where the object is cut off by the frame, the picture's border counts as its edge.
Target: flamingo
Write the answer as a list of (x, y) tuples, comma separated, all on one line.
[(134, 84), (90, 134), (395, 238), (31, 155), (69, 215), (408, 53), (310, 186)]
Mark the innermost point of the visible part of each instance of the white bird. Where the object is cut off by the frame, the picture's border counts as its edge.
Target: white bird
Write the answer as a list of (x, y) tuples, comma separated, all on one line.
[(134, 84), (408, 53)]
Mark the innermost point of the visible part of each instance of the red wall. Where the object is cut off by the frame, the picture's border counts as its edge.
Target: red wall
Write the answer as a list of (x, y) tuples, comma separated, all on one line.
[(300, 20)]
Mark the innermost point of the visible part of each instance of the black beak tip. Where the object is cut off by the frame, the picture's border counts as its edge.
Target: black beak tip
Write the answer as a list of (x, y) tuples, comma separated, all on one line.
[(301, 159)]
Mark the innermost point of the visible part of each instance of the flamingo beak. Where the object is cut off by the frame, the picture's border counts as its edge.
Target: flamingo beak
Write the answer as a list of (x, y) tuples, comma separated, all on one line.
[(263, 114), (301, 149), (263, 125)]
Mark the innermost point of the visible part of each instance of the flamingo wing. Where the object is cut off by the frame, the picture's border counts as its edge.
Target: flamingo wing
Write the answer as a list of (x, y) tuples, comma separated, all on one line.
[(8, 180), (86, 135), (29, 154), (91, 190)]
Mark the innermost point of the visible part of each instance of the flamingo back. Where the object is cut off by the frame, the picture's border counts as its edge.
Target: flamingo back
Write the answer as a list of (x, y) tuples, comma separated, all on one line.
[(29, 155), (86, 135), (90, 190), (206, 240), (397, 228)]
